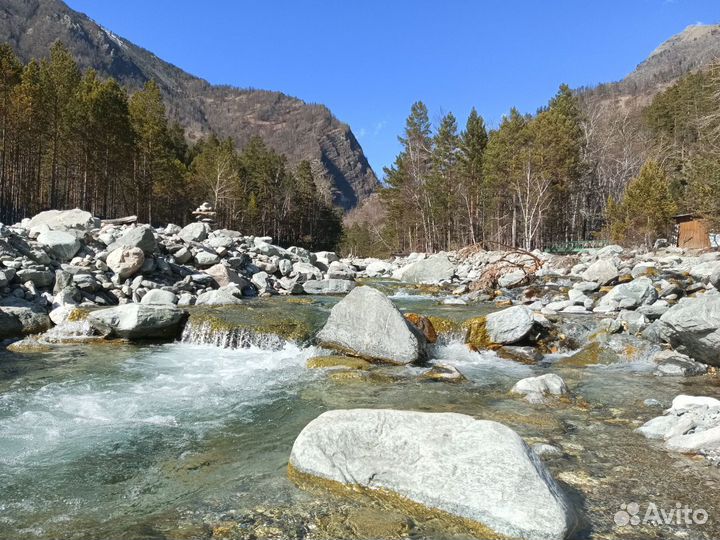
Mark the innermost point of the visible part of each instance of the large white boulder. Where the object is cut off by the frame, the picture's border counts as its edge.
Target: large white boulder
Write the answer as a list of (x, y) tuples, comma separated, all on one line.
[(137, 237), (509, 325), (378, 268), (691, 425), (63, 220), (328, 286), (219, 297), (194, 232), (692, 327), (434, 269), (137, 321), (477, 470), (367, 323), (602, 271), (60, 244), (224, 275), (125, 262), (638, 292)]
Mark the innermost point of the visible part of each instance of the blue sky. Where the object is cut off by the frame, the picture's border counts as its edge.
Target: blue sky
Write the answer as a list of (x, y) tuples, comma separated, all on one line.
[(369, 60)]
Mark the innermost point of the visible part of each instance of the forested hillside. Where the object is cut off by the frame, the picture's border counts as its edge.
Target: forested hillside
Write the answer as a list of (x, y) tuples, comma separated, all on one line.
[(298, 130), (73, 139), (613, 162)]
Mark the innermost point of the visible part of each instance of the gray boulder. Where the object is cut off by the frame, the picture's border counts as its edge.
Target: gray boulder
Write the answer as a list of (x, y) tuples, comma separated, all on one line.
[(602, 271), (328, 286), (138, 321), (125, 262), (630, 295), (368, 324), (206, 258), (340, 270), (182, 255), (137, 237), (265, 248), (509, 325), (60, 244), (306, 271), (224, 275), (22, 318), (675, 364), (63, 220), (159, 297), (194, 232), (219, 297), (512, 279), (692, 327), (40, 278), (434, 269), (478, 470)]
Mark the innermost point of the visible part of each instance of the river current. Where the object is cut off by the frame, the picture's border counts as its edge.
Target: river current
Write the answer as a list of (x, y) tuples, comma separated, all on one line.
[(184, 440)]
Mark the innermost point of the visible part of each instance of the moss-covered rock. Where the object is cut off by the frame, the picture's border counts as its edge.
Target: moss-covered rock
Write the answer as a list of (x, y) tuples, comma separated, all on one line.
[(443, 373), (477, 337), (29, 345), (591, 354), (336, 361), (253, 322), (443, 325)]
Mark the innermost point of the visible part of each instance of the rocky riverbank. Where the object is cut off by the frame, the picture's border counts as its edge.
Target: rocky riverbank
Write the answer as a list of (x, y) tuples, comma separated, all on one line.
[(68, 277)]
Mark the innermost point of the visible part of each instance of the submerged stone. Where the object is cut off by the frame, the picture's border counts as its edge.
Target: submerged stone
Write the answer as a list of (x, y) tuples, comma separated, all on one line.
[(346, 362), (443, 373), (535, 388)]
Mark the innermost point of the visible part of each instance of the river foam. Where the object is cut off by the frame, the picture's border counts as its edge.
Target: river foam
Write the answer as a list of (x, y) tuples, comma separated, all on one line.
[(178, 386)]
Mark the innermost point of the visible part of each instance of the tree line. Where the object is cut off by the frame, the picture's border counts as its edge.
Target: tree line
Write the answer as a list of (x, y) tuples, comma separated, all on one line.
[(575, 170), (517, 185), (71, 139)]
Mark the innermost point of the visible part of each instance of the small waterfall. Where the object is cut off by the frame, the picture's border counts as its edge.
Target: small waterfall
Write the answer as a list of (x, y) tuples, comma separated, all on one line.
[(206, 333), (69, 330)]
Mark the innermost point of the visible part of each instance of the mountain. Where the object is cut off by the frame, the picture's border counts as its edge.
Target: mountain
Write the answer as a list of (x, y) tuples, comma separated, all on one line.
[(295, 128), (694, 48)]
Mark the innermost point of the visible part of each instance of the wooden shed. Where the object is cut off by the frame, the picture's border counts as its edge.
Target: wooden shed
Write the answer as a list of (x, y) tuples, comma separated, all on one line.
[(692, 232)]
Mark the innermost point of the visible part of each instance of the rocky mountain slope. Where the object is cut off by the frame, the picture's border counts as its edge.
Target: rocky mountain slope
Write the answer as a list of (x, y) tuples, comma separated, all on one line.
[(291, 126), (694, 48)]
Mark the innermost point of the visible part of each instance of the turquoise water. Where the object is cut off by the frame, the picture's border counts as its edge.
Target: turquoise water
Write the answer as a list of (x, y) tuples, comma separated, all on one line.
[(189, 441)]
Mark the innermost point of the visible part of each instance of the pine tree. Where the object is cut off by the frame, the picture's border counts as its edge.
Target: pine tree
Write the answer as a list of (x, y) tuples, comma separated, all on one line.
[(59, 78), (646, 209), (156, 171), (442, 186), (406, 194), (10, 76), (473, 192)]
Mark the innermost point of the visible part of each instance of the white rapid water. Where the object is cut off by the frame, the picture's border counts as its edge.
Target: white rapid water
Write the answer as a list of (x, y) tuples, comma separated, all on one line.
[(175, 387), (484, 367)]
